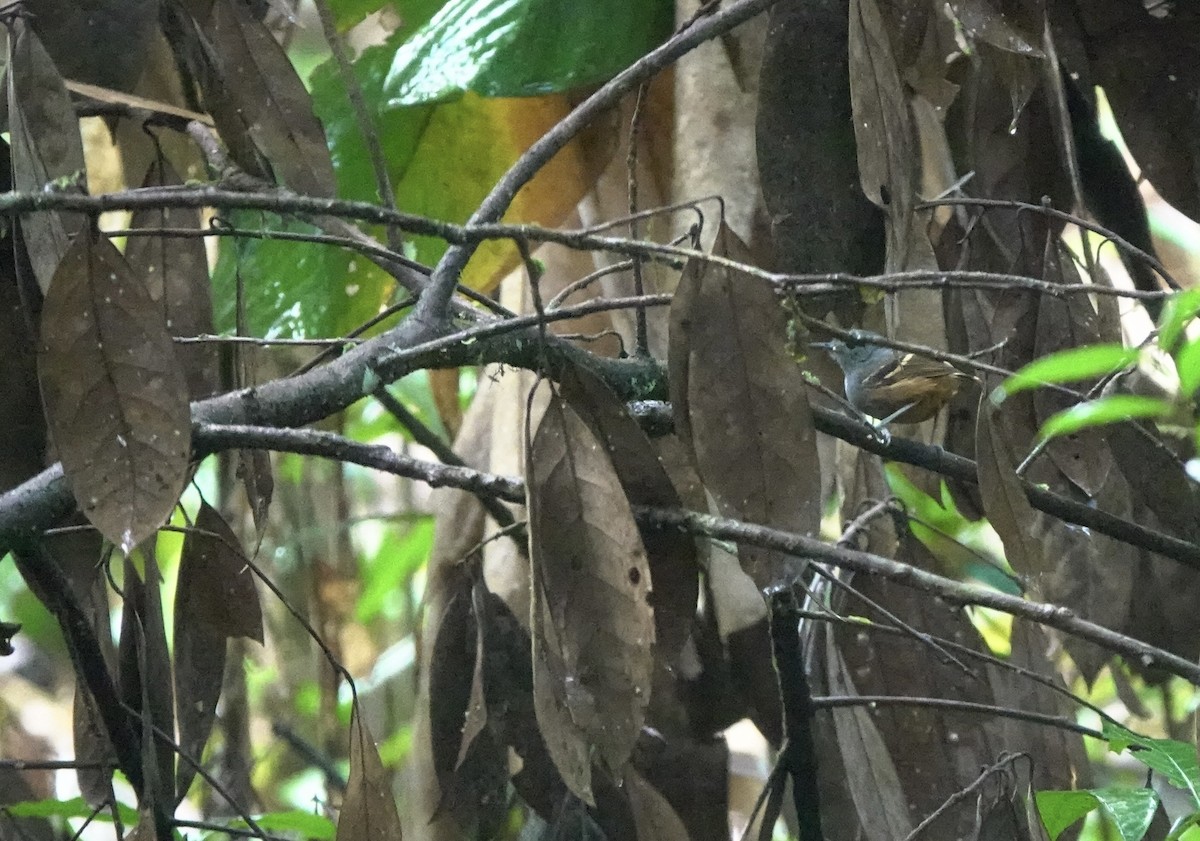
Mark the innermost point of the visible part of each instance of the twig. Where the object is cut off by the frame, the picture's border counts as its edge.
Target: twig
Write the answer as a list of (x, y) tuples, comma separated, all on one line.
[(328, 445), (433, 304)]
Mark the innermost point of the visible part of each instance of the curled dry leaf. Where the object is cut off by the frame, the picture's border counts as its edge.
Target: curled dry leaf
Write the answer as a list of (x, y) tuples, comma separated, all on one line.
[(115, 398), (369, 810), (215, 599), (591, 620), (750, 424), (46, 147)]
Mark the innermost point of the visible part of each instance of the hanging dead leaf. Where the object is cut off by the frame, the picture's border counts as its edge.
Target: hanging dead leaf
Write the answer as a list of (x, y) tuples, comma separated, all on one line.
[(255, 80), (369, 810), (23, 446), (1016, 30), (751, 426), (115, 398), (145, 665), (443, 385), (215, 599), (254, 469), (871, 775), (653, 815), (1083, 457), (46, 147), (888, 161), (1004, 500), (451, 682), (593, 627), (674, 574), (175, 270)]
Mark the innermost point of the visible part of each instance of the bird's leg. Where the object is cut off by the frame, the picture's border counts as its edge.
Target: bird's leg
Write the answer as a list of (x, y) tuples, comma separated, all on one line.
[(881, 430)]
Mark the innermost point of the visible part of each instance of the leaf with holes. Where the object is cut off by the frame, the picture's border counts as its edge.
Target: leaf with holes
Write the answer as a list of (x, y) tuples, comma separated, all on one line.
[(215, 599), (115, 397), (592, 624)]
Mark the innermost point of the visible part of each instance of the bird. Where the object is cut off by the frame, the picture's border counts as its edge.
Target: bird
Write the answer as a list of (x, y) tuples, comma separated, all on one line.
[(893, 385)]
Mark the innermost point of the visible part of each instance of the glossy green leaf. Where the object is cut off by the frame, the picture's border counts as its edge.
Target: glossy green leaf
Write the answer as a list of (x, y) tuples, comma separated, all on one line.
[(295, 290), (1112, 409), (1061, 809), (1180, 309), (967, 549), (1067, 366), (523, 47), (1131, 809), (1187, 362), (1177, 761)]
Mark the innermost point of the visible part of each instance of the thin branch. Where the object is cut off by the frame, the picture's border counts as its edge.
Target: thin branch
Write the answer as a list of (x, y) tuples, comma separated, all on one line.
[(362, 116), (954, 705), (328, 445)]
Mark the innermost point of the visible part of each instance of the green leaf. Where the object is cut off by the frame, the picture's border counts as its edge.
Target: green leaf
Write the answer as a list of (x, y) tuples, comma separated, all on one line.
[(295, 289), (1178, 311), (1067, 366), (308, 825), (1060, 809), (1187, 362), (397, 559), (1177, 761), (1112, 409), (523, 47), (76, 807), (1131, 809)]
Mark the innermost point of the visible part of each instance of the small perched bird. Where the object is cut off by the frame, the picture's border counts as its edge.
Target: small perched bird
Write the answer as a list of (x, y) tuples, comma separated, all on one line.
[(893, 385)]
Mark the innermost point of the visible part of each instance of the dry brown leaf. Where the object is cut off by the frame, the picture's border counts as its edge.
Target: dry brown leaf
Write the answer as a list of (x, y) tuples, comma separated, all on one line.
[(115, 397), (149, 682), (751, 426), (888, 159), (443, 385), (368, 810), (871, 776), (256, 89), (1004, 501), (175, 270), (1016, 30), (254, 469), (652, 814), (215, 600), (46, 147), (674, 574), (1083, 457), (22, 448), (593, 627)]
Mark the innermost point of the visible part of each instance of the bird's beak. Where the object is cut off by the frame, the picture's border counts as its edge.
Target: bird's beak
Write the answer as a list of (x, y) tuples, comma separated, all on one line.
[(822, 345)]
